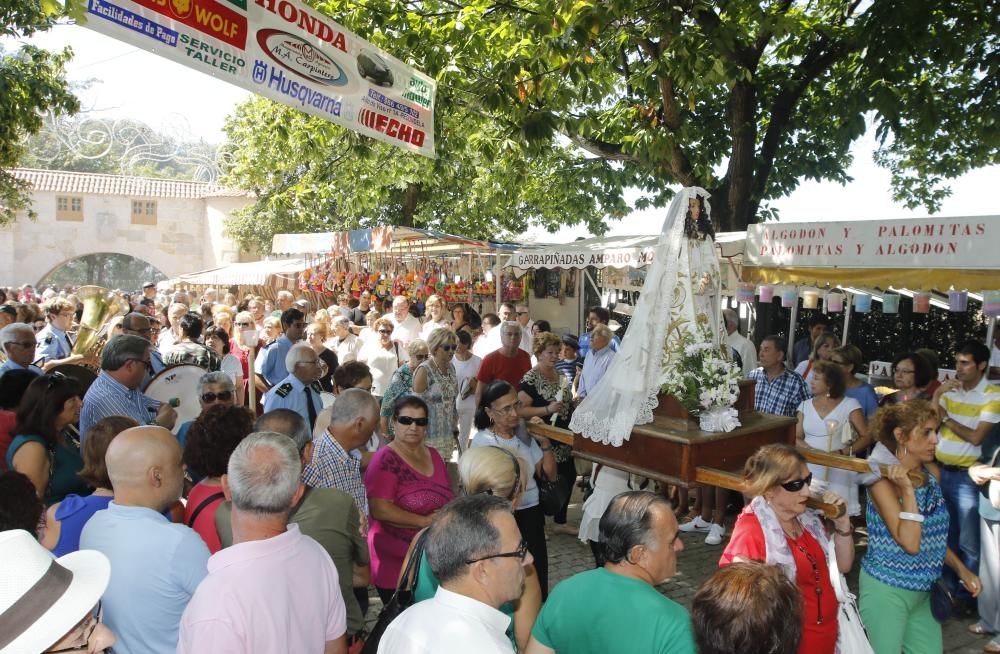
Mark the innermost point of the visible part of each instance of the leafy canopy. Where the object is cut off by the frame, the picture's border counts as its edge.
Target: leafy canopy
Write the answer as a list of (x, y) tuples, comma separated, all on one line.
[(31, 82)]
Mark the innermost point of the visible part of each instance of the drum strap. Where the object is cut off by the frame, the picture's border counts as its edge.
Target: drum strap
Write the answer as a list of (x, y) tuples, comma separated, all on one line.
[(204, 505)]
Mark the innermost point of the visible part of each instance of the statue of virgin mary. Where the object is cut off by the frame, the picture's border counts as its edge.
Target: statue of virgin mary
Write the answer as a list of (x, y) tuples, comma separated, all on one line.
[(681, 294)]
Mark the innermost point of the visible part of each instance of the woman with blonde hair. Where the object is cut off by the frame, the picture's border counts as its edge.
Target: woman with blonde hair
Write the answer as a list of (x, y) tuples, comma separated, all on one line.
[(503, 473), (435, 381), (907, 536), (776, 527)]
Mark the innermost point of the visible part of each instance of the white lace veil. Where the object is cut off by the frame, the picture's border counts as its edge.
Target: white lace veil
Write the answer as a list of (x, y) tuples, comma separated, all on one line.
[(668, 305)]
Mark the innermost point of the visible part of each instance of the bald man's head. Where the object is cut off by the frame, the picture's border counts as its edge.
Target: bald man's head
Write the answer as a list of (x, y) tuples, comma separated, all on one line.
[(144, 465)]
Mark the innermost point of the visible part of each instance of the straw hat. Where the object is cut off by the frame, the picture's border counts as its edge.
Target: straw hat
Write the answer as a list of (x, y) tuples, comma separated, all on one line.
[(42, 598)]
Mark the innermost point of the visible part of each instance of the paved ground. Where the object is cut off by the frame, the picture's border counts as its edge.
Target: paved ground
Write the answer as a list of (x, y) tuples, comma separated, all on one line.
[(568, 556)]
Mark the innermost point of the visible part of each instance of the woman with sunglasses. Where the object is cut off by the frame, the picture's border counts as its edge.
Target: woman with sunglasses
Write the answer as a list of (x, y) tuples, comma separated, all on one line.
[(546, 395), (406, 483), (211, 440), (217, 339), (435, 380), (382, 357), (907, 536), (64, 521), (497, 421), (46, 445), (401, 384), (494, 471), (777, 528)]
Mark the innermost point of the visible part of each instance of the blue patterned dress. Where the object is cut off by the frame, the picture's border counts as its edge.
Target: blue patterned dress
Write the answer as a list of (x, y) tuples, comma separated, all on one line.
[(887, 562)]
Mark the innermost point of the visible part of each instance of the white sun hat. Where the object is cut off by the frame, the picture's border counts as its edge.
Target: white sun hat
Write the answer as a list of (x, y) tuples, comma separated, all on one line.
[(42, 598)]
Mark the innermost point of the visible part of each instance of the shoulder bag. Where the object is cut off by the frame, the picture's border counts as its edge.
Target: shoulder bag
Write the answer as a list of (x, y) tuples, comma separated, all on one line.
[(401, 600), (851, 635)]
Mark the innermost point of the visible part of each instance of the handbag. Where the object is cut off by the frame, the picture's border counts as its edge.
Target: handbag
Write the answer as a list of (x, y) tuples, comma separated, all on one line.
[(852, 638), (942, 600), (552, 495), (401, 600)]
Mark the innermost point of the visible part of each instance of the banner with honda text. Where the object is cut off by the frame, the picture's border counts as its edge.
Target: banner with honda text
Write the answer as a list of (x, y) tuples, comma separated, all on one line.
[(286, 51)]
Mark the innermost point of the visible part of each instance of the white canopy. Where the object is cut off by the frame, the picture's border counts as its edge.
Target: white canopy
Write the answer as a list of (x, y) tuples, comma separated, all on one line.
[(611, 252), (282, 273)]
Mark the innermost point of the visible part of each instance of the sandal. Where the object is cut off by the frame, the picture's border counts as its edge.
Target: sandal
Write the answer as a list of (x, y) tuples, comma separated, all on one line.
[(992, 647), (979, 629)]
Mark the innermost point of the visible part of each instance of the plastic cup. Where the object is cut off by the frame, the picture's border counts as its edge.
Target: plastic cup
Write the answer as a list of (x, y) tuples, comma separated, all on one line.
[(958, 301), (789, 297), (766, 293), (890, 304), (921, 302), (862, 303)]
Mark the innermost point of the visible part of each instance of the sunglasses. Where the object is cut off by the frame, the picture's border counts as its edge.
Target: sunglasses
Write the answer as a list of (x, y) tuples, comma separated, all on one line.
[(83, 641), (409, 420), (222, 396), (519, 553), (420, 357), (385, 331), (796, 484), (448, 348), (244, 324)]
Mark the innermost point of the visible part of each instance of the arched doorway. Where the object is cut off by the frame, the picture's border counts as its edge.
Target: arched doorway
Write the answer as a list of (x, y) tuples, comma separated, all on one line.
[(108, 269)]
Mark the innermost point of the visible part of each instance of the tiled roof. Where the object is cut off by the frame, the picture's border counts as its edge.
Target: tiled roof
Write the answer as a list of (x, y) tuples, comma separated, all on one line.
[(61, 181)]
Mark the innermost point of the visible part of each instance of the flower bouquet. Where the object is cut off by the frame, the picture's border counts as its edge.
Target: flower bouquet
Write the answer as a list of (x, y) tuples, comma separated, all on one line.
[(703, 380)]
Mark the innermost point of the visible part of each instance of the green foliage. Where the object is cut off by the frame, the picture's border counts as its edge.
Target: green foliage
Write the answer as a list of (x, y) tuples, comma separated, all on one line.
[(743, 98), (107, 269), (31, 82), (310, 175)]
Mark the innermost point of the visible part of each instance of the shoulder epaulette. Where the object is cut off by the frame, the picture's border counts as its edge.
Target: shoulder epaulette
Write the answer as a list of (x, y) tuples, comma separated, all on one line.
[(48, 339), (284, 389)]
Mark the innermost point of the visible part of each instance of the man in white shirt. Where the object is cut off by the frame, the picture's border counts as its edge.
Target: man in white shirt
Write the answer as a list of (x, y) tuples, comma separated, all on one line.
[(475, 550), (740, 343), (489, 340), (524, 319), (406, 326)]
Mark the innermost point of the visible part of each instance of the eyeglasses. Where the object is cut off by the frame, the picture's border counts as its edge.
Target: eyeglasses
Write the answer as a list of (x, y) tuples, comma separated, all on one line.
[(54, 378), (24, 345), (448, 348), (796, 484), (82, 643), (519, 553), (409, 420), (510, 408), (146, 362), (221, 396), (385, 331)]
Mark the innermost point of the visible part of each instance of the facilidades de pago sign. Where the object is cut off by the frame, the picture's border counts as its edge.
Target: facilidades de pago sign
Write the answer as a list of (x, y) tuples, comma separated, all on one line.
[(286, 51)]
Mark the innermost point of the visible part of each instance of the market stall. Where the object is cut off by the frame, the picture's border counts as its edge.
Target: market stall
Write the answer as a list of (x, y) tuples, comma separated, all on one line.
[(264, 278), (845, 266), (614, 267), (403, 261)]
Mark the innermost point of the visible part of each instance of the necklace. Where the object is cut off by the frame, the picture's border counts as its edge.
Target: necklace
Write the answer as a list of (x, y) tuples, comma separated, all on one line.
[(819, 590)]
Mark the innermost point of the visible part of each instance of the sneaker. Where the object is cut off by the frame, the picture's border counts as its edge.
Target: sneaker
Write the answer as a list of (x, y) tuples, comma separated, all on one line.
[(696, 524), (715, 534)]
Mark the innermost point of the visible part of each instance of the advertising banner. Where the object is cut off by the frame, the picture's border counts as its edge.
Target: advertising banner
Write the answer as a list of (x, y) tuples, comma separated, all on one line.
[(286, 51), (919, 243), (570, 258)]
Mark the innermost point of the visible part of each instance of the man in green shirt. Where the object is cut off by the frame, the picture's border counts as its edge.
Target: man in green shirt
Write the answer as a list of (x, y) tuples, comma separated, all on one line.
[(327, 515), (617, 608)]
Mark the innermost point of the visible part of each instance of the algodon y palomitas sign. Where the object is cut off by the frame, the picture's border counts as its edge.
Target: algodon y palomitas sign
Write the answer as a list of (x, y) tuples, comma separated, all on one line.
[(966, 242), (286, 51)]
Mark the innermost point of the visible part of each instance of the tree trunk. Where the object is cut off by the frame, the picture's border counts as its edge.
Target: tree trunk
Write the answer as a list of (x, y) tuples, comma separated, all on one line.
[(411, 198)]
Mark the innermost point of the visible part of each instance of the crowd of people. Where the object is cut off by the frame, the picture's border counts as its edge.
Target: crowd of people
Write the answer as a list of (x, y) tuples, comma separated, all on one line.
[(389, 451)]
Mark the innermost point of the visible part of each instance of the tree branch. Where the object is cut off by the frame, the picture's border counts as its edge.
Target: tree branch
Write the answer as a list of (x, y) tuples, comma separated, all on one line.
[(602, 149)]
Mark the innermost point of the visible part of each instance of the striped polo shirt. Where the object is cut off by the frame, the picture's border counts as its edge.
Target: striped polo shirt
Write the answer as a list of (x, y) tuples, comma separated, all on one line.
[(967, 408)]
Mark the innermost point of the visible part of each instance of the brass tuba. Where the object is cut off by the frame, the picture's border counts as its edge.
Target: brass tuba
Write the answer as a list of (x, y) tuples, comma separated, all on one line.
[(99, 306)]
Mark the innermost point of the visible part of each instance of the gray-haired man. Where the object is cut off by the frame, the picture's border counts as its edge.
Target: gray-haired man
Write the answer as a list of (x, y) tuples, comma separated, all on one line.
[(274, 589), (213, 388), (327, 515), (476, 552)]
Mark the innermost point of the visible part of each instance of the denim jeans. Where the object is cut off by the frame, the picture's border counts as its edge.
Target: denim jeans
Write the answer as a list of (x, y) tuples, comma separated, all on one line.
[(961, 495)]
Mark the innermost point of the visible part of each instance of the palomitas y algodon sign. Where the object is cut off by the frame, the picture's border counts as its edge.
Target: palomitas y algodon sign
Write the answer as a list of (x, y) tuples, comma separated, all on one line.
[(286, 51)]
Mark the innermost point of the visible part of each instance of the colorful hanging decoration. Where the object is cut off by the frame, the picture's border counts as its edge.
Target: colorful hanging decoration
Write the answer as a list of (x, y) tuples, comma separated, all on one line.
[(766, 293), (834, 302), (991, 303), (958, 301), (862, 303), (921, 302), (890, 303)]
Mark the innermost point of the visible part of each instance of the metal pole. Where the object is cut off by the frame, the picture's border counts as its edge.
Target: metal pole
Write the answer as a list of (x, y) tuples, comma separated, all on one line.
[(793, 319), (253, 380), (848, 303)]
